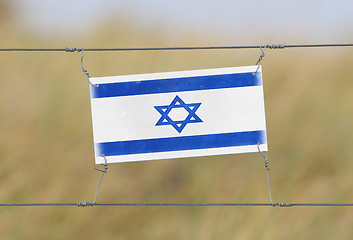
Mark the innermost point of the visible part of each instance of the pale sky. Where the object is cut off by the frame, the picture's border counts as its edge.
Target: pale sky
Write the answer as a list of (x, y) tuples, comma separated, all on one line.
[(315, 20)]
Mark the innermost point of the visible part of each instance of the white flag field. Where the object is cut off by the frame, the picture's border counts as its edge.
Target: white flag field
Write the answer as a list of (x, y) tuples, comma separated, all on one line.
[(178, 114)]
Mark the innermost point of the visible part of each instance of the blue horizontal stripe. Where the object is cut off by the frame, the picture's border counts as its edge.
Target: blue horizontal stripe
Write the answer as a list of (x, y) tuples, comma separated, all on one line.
[(176, 85), (181, 143)]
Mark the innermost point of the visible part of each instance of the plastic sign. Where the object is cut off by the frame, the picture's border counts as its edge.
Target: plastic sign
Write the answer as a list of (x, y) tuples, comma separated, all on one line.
[(178, 114)]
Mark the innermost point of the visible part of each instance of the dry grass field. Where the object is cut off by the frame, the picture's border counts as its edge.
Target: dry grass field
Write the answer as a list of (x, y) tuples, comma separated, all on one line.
[(46, 145)]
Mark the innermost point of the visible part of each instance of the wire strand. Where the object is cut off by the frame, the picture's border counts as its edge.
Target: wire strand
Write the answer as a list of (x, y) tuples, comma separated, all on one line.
[(104, 171), (271, 46), (84, 204), (263, 154)]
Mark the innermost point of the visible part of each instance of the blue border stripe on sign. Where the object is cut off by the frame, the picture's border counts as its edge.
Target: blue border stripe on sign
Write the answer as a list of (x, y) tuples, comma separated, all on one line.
[(181, 143), (176, 85)]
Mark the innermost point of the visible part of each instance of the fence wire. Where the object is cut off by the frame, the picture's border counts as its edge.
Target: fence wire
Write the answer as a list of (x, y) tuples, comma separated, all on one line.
[(89, 204), (268, 46)]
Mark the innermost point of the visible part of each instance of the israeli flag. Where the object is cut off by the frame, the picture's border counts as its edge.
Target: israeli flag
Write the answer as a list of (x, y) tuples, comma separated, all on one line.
[(178, 114)]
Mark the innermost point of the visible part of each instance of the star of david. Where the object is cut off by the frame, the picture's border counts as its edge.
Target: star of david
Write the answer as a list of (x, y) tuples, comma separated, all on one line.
[(179, 125)]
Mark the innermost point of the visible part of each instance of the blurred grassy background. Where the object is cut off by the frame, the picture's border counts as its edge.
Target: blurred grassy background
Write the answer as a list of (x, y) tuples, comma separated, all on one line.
[(47, 149)]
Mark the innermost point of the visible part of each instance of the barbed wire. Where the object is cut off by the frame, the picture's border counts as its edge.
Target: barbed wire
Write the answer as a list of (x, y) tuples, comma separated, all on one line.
[(269, 46)]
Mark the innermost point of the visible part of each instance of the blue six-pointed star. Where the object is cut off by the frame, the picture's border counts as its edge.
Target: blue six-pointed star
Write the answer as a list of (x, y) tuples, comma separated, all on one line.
[(191, 108)]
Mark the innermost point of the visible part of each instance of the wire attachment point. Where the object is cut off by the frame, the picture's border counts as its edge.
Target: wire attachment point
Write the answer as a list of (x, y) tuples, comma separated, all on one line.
[(68, 49), (263, 49), (277, 46), (263, 154), (103, 172), (84, 204), (285, 204), (262, 55), (85, 71)]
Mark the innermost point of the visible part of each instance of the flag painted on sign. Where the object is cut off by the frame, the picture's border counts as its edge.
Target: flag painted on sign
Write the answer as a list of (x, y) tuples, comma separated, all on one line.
[(178, 114)]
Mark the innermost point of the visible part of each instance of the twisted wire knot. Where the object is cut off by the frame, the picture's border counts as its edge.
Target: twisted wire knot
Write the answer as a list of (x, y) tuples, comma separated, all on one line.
[(68, 49), (276, 46), (261, 56), (283, 204), (84, 204), (86, 72), (267, 164)]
